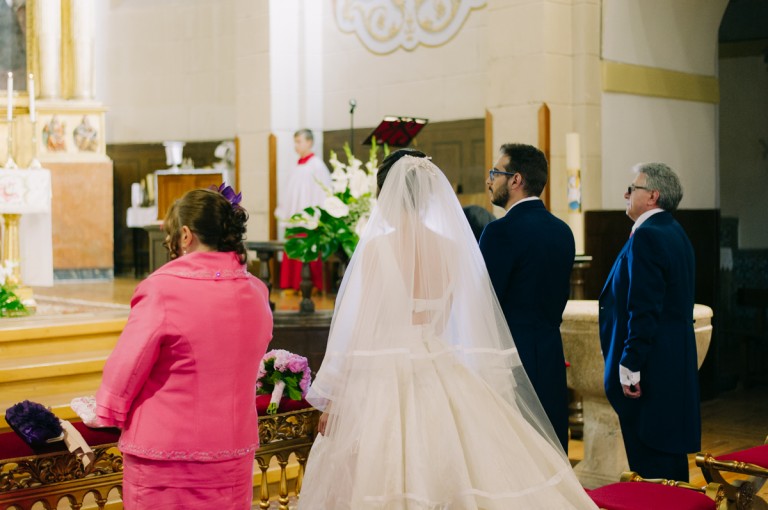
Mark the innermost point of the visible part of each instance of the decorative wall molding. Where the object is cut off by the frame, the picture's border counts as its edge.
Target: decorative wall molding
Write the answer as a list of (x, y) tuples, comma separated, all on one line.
[(653, 81), (386, 25)]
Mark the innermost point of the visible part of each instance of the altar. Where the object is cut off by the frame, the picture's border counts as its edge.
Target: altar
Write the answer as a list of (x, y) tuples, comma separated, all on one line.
[(25, 203)]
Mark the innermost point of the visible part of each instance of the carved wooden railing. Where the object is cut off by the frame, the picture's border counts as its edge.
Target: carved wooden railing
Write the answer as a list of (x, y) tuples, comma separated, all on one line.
[(49, 478)]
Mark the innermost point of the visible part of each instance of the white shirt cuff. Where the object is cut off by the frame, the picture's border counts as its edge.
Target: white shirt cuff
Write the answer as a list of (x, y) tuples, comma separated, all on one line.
[(627, 377)]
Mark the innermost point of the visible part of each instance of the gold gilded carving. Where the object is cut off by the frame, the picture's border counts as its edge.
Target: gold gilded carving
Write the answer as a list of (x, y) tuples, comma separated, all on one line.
[(742, 492), (48, 478), (714, 491), (385, 25), (282, 427), (30, 472)]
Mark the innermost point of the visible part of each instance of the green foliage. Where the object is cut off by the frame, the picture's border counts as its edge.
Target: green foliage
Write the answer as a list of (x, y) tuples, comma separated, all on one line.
[(10, 304), (332, 235)]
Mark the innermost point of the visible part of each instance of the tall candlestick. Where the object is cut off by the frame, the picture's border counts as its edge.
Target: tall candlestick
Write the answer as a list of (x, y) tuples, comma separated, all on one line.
[(31, 88), (10, 97), (572, 151)]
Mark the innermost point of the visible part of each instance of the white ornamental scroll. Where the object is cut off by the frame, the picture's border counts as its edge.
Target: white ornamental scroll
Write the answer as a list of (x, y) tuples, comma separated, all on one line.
[(385, 25)]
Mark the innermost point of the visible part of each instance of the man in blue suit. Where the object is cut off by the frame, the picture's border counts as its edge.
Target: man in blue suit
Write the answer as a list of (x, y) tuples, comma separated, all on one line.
[(646, 331), (529, 254)]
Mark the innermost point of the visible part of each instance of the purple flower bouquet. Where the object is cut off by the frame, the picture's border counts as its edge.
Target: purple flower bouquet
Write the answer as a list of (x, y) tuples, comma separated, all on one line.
[(282, 371), (34, 423)]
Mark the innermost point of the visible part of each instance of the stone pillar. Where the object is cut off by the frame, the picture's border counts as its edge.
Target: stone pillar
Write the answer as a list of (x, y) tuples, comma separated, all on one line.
[(48, 15), (82, 48)]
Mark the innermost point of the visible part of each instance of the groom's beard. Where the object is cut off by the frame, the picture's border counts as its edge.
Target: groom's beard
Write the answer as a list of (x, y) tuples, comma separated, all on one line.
[(500, 197)]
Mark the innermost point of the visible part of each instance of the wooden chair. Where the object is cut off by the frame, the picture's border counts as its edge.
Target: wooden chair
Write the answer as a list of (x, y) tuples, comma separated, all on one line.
[(752, 462), (658, 495)]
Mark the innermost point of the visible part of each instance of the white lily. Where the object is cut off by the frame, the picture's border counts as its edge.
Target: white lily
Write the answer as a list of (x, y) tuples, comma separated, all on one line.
[(355, 164), (335, 207), (339, 180), (6, 270), (308, 221), (359, 184)]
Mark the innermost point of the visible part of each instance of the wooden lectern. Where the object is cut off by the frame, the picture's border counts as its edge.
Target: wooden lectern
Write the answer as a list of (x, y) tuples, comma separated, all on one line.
[(172, 184)]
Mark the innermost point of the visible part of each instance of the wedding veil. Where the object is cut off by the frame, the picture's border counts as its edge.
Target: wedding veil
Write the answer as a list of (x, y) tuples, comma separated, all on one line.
[(417, 289)]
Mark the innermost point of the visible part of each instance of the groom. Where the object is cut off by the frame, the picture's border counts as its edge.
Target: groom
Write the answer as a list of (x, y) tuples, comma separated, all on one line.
[(529, 254)]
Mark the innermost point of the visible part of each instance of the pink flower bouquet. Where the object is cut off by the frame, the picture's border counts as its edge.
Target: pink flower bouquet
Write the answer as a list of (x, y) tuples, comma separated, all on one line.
[(282, 371)]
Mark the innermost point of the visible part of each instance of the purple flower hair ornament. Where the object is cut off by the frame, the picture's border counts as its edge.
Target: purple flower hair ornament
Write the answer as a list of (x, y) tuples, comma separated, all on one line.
[(229, 193), (34, 423)]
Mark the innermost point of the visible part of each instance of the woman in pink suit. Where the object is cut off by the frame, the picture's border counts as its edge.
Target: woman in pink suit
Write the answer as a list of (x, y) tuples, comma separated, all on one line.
[(181, 380)]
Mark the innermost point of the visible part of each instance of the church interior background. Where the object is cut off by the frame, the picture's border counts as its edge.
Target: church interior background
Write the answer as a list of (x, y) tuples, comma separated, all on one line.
[(99, 88)]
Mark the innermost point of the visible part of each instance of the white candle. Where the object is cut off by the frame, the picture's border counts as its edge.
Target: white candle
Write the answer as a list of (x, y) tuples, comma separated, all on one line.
[(572, 151), (10, 97), (31, 88)]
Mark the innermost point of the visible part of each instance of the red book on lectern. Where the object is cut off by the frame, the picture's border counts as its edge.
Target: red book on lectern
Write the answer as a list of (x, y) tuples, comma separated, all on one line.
[(396, 131)]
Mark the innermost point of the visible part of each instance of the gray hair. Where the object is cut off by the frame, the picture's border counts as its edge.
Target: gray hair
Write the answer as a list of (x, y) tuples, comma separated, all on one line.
[(306, 133), (661, 178)]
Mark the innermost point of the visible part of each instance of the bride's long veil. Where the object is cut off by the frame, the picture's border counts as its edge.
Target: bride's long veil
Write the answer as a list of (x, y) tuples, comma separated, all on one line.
[(415, 290)]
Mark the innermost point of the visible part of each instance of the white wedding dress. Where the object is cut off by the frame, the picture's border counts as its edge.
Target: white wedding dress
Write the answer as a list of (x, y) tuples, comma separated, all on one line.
[(429, 407)]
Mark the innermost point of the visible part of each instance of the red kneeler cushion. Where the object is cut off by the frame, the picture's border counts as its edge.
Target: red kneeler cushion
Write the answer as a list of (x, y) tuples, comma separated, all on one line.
[(645, 496), (757, 455), (12, 446), (286, 405)]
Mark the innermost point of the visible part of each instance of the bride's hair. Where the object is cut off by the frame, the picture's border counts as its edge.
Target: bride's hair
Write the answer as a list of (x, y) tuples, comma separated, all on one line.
[(389, 161)]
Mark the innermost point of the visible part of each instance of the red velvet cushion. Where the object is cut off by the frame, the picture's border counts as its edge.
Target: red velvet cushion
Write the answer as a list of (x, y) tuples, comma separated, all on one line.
[(757, 455), (645, 496), (286, 404), (12, 446)]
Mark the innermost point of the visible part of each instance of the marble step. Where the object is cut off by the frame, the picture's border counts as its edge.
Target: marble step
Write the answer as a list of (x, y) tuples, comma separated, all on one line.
[(36, 367)]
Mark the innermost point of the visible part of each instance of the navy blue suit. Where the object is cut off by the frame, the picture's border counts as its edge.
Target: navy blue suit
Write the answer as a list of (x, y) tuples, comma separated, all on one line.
[(529, 254), (646, 325)]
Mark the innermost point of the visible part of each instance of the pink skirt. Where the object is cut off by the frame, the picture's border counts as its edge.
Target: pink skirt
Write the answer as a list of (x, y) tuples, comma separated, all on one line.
[(171, 485)]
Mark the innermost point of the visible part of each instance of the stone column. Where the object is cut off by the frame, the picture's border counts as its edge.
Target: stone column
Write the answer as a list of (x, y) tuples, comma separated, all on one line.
[(82, 48), (48, 15)]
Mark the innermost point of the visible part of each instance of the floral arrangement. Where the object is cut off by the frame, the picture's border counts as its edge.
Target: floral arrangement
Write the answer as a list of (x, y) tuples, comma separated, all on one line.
[(34, 422), (10, 304), (335, 227), (282, 371)]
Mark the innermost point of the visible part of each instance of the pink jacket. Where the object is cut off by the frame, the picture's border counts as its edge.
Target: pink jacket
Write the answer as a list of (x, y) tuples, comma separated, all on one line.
[(181, 380)]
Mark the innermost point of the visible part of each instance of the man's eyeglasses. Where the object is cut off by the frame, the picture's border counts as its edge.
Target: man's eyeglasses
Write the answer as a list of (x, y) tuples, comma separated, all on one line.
[(492, 173), (632, 188)]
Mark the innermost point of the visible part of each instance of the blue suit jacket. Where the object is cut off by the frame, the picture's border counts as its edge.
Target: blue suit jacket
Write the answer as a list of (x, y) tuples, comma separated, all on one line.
[(529, 254), (646, 324)]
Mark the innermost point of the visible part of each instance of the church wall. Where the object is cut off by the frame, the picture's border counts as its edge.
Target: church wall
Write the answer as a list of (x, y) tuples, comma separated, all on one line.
[(167, 70), (743, 134), (676, 36)]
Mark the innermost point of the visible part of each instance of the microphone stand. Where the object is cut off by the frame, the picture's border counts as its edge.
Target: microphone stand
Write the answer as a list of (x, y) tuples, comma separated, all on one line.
[(352, 105)]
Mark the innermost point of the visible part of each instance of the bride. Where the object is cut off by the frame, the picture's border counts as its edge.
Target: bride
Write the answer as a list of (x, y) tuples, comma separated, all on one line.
[(426, 403)]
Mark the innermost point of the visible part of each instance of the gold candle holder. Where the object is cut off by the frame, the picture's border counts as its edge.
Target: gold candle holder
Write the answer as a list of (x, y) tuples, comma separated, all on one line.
[(34, 163), (10, 164)]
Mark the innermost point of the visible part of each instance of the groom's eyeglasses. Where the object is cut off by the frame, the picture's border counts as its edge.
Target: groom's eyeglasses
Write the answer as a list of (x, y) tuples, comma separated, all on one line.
[(492, 173)]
